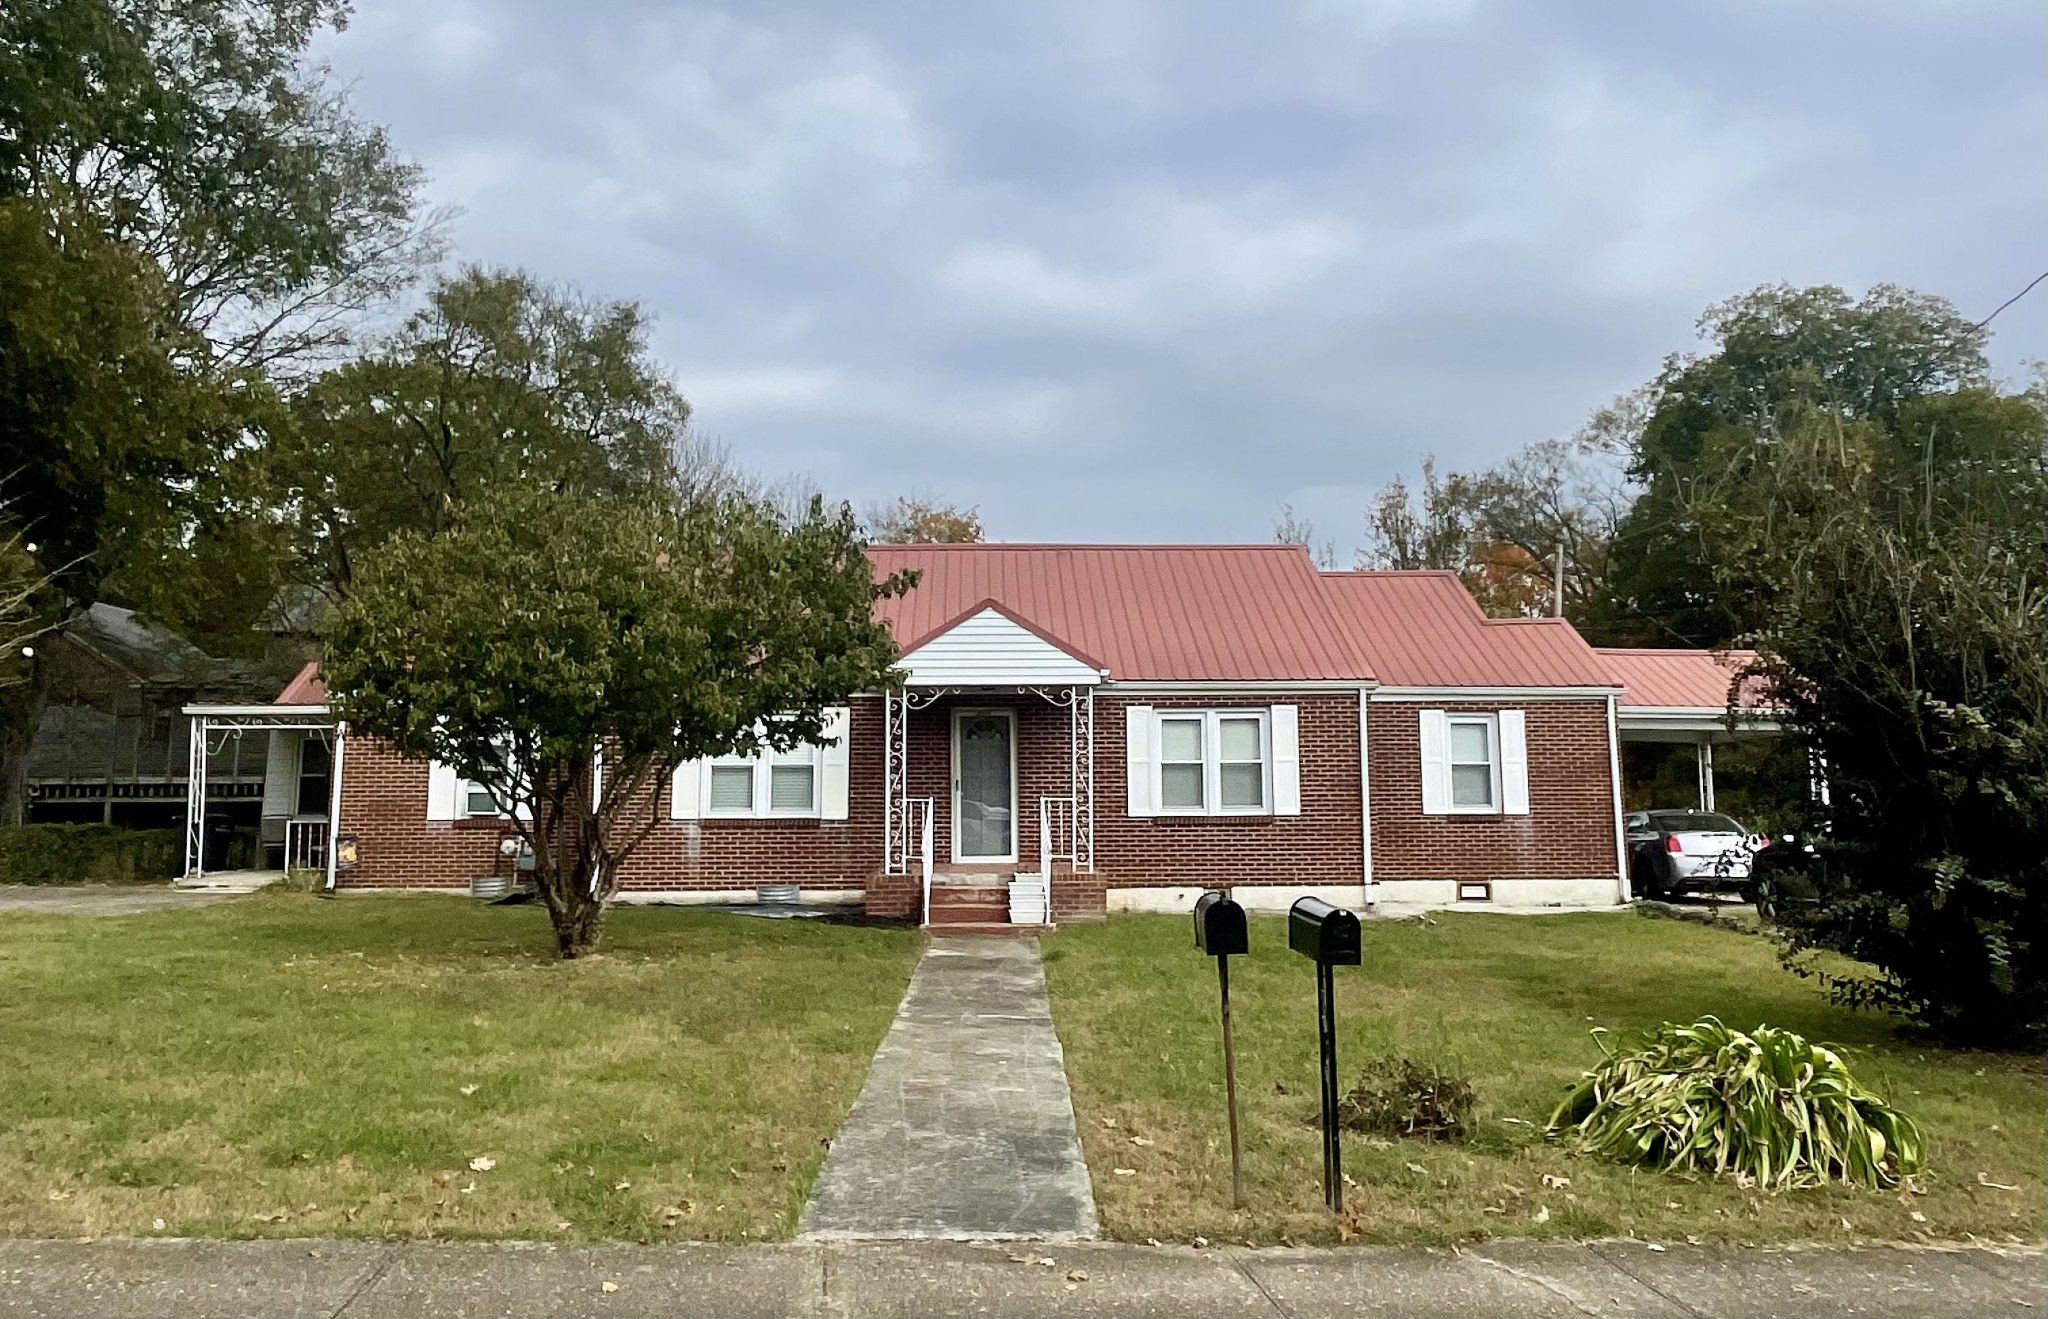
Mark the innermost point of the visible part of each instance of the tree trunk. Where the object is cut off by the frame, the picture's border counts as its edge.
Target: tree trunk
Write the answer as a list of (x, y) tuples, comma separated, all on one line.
[(21, 710), (567, 847)]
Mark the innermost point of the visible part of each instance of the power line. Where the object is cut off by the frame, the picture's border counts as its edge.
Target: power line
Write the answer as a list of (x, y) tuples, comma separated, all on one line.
[(2014, 298)]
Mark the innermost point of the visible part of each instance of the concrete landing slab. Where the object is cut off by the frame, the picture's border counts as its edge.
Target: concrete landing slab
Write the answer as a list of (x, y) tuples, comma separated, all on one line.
[(965, 1129)]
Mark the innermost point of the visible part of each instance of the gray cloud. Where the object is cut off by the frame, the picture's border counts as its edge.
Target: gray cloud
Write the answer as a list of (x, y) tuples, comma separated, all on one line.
[(1142, 271)]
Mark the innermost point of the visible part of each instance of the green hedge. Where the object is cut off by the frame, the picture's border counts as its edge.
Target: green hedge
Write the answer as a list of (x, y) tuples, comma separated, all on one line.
[(87, 854)]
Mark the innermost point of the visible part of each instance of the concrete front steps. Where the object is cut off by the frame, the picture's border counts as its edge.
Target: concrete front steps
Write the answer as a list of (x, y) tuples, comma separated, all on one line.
[(977, 904)]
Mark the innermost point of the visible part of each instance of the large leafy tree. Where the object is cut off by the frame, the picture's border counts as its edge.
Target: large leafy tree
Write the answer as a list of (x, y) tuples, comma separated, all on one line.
[(570, 652), (197, 133), (1895, 575), (499, 379), (1864, 359), (109, 436)]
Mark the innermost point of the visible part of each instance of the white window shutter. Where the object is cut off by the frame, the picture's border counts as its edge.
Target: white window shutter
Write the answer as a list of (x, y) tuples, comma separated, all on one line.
[(444, 790), (1286, 725), (1435, 739), (1138, 759), (686, 791), (835, 762), (1514, 764)]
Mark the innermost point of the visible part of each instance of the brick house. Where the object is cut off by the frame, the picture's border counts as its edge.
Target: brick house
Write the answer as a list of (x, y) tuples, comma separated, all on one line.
[(1097, 728)]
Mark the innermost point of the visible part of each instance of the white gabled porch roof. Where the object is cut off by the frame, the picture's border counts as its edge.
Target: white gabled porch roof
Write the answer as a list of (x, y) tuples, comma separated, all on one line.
[(988, 646)]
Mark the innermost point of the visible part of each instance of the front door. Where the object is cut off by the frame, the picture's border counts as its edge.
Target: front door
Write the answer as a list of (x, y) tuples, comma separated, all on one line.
[(984, 785)]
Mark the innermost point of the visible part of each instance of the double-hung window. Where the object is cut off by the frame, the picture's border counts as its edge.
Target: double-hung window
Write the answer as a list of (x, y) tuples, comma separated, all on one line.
[(1214, 762), (770, 783), (1475, 763)]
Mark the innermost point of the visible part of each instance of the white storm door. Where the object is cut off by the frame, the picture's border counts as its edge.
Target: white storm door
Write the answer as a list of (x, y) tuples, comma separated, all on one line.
[(984, 785)]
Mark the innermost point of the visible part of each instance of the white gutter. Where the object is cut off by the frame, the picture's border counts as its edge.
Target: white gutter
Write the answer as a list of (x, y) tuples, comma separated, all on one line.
[(1372, 893), (1614, 772), (334, 804)]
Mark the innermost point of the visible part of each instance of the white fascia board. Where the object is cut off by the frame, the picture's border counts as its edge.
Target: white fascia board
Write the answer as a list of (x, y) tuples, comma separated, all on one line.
[(253, 711), (1690, 719), (1197, 688), (1495, 693)]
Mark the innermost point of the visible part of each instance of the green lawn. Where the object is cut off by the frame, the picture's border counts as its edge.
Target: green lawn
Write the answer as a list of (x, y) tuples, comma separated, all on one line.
[(1508, 1002), (285, 1066)]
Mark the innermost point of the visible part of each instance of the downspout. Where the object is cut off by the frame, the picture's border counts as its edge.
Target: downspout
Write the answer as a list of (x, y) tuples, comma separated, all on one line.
[(334, 806), (1372, 892), (1614, 772)]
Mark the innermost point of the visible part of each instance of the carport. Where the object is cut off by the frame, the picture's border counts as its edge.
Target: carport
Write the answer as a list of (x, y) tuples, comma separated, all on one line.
[(1684, 696)]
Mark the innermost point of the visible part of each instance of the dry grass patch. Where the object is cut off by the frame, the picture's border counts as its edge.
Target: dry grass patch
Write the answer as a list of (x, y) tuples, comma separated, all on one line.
[(1506, 1001), (419, 1065)]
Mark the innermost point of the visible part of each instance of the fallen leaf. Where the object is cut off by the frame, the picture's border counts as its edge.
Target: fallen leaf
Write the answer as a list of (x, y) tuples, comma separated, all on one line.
[(608, 1287), (563, 1225), (156, 1224), (1109, 1122), (1654, 1246), (1419, 1169), (1077, 1275), (1201, 1241), (1846, 1227), (1518, 1122), (60, 1195), (1671, 1204), (469, 1189), (442, 1178), (1919, 1217), (1022, 1259), (482, 1163), (1047, 1261), (1140, 1140), (1982, 1180), (1125, 1172), (1349, 1182), (1555, 1182), (1543, 1214), (622, 1186), (470, 1089)]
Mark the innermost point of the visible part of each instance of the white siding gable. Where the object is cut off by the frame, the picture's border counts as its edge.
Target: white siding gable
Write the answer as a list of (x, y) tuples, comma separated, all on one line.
[(990, 650)]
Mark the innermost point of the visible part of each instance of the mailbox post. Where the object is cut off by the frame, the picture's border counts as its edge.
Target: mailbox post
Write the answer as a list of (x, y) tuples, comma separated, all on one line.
[(1327, 936), (1221, 932)]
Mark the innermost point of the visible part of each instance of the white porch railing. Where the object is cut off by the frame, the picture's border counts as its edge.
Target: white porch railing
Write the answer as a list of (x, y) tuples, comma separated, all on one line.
[(305, 844), (918, 820), (1056, 839)]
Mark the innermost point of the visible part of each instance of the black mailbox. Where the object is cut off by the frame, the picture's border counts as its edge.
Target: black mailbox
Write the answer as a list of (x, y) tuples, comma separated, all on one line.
[(1327, 935), (1219, 926)]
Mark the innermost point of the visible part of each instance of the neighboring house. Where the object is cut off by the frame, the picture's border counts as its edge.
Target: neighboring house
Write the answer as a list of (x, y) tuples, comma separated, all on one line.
[(1683, 696), (1134, 724), (111, 747)]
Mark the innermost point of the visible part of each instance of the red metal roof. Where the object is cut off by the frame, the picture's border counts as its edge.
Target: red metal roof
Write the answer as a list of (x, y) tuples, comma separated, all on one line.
[(1216, 613), (1423, 629), (1678, 679), (305, 689)]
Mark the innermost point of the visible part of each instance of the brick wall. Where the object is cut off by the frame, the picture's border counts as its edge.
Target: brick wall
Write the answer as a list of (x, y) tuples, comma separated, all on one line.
[(384, 804), (1567, 834), (1322, 845)]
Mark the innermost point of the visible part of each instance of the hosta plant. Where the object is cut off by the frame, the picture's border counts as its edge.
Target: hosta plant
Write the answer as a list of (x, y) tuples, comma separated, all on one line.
[(1763, 1105)]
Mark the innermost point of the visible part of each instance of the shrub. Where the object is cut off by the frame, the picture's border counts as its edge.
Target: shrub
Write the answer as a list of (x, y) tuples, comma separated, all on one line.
[(1400, 1097), (87, 854), (1765, 1105)]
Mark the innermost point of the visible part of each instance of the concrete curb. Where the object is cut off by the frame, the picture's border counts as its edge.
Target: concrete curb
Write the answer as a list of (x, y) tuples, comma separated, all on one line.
[(120, 1278)]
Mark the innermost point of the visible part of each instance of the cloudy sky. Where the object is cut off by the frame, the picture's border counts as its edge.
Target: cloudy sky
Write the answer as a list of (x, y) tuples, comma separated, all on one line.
[(1143, 271)]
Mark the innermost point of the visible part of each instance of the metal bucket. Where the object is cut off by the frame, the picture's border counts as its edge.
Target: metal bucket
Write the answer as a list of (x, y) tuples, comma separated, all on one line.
[(785, 895), (489, 887)]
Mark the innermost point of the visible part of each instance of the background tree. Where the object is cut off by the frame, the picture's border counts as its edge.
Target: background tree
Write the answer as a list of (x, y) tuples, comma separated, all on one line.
[(112, 428), (1862, 359), (498, 380), (1292, 529), (196, 133), (542, 630), (922, 519)]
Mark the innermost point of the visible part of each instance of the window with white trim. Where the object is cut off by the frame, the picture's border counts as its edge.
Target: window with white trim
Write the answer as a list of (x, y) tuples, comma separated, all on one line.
[(1474, 747), (1214, 762), (770, 783)]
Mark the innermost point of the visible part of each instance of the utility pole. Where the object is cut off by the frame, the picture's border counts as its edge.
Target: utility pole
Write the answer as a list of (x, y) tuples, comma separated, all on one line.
[(1557, 583)]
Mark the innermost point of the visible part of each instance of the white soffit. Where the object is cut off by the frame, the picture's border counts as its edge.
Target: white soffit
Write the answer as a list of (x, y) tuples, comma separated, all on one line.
[(988, 649)]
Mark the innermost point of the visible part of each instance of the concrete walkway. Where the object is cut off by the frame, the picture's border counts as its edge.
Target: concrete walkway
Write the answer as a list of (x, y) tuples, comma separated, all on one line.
[(100, 899), (101, 1280), (964, 1130)]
